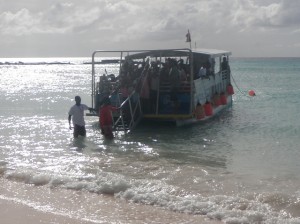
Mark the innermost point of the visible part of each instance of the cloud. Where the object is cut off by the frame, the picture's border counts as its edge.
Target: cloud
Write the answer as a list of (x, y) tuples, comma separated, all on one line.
[(280, 14), (148, 23), (144, 17), (288, 14), (57, 19), (19, 23)]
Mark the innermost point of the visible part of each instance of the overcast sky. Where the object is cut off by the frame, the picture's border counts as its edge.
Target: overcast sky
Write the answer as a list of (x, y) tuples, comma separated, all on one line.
[(63, 28)]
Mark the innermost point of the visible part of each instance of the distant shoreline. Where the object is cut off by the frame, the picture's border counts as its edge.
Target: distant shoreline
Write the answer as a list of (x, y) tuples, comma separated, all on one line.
[(35, 63), (56, 61)]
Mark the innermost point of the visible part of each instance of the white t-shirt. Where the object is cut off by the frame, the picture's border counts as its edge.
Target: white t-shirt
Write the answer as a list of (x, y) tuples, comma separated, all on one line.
[(77, 113)]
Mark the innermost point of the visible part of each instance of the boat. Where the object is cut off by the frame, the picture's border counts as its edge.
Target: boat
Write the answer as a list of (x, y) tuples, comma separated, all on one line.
[(182, 86)]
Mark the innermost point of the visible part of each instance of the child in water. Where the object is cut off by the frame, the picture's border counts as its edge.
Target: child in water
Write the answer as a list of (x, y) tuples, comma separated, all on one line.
[(105, 118)]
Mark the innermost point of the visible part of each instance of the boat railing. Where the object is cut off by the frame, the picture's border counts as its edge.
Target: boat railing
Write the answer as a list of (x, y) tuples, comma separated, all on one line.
[(130, 112), (131, 109)]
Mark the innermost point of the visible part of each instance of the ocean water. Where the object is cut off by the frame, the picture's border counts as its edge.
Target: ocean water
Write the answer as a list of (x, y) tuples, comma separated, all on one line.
[(241, 167)]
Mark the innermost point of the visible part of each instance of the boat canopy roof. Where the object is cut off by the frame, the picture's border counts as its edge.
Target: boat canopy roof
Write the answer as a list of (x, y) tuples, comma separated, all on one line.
[(212, 53)]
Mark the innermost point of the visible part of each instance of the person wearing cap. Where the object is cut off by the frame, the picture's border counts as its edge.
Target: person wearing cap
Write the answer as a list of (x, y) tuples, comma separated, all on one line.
[(76, 112)]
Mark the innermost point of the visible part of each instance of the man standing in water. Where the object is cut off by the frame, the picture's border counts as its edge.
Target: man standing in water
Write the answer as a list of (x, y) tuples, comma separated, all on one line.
[(77, 111)]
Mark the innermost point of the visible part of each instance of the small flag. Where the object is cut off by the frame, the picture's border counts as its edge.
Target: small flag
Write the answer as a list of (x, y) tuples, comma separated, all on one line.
[(188, 36)]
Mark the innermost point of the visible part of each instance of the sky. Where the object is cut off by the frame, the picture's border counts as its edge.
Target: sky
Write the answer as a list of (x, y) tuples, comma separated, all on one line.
[(76, 28)]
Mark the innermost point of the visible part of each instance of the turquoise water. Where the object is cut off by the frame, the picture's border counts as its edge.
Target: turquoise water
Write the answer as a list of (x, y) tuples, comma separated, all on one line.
[(241, 167)]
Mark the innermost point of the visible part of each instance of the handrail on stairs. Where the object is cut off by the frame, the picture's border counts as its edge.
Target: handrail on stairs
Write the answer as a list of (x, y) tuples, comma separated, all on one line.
[(135, 112)]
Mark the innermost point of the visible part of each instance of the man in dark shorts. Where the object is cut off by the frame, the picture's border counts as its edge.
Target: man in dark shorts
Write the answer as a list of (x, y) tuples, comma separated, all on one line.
[(76, 112)]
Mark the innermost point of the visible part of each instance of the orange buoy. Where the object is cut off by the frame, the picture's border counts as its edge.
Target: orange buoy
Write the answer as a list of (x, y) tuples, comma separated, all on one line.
[(251, 93), (199, 112), (216, 100), (223, 99), (230, 90), (208, 110)]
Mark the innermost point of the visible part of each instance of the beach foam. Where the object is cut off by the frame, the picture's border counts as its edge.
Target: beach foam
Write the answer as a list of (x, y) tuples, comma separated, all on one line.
[(230, 209)]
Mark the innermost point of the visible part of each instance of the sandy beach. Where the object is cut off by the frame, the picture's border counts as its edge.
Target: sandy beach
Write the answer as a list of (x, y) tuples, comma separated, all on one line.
[(15, 213)]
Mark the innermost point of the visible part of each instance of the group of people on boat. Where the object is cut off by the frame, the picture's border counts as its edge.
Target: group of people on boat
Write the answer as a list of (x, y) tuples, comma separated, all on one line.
[(206, 69), (147, 77)]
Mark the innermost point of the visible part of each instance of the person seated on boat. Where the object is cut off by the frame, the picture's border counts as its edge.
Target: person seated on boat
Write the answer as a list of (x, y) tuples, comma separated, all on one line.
[(141, 66), (105, 85), (125, 80), (105, 118), (164, 72), (135, 73), (202, 72), (208, 68), (125, 66), (174, 78), (112, 78), (225, 66), (183, 76), (181, 68)]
